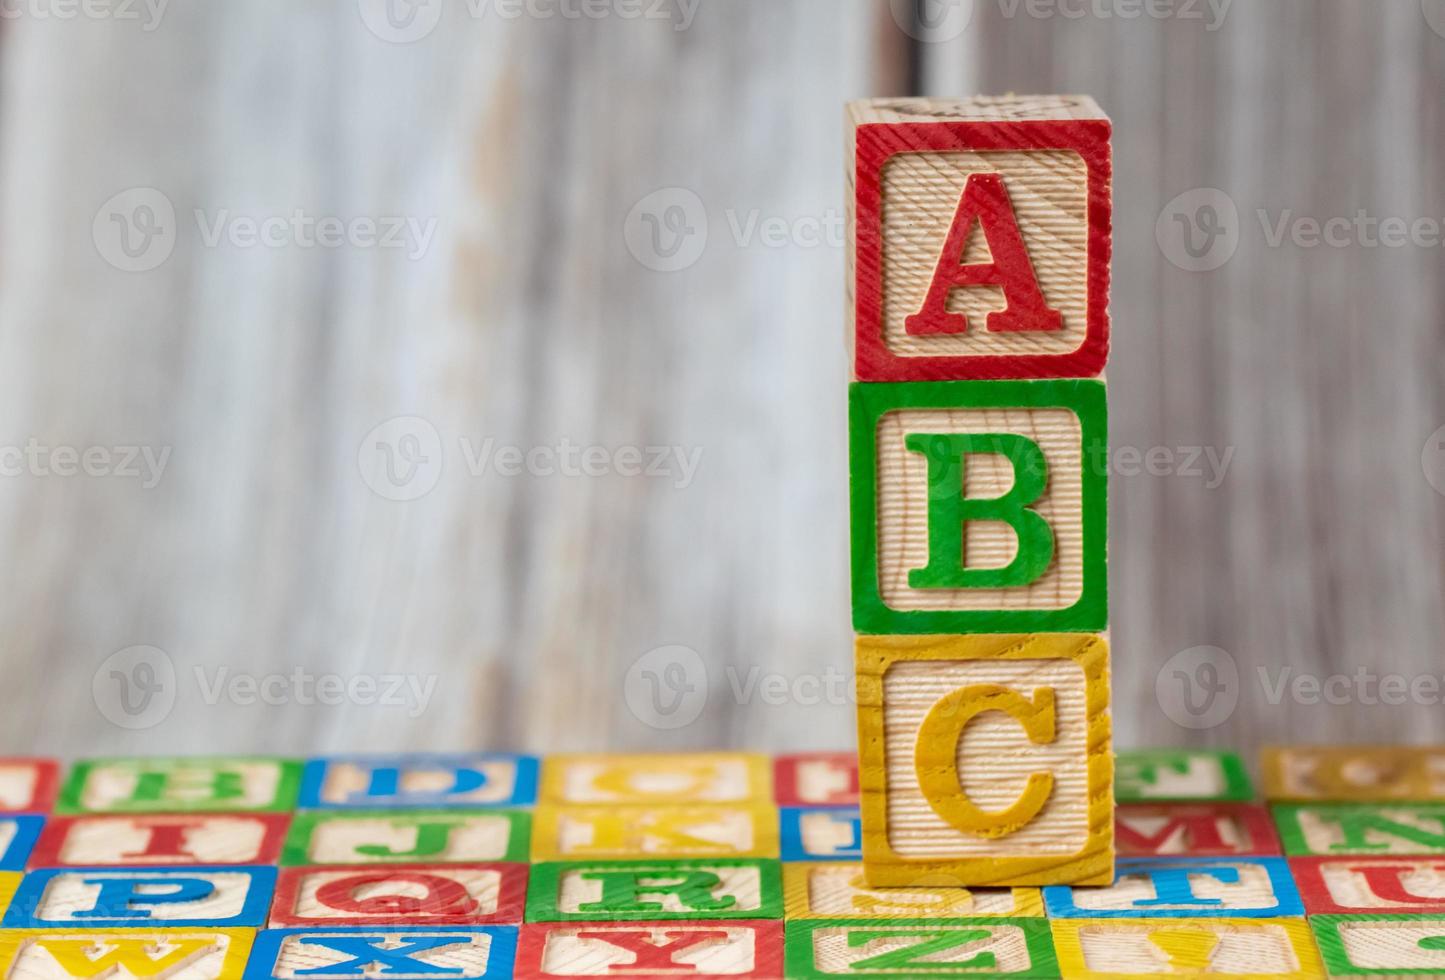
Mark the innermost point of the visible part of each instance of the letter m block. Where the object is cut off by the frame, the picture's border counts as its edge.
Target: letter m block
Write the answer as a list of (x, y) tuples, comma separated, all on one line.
[(979, 506), (978, 238)]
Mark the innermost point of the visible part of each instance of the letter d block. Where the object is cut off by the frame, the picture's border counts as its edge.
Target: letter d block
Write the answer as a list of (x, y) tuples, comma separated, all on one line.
[(985, 760), (979, 507)]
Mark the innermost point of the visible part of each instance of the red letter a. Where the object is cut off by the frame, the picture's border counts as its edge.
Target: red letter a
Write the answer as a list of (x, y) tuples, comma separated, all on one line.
[(986, 200)]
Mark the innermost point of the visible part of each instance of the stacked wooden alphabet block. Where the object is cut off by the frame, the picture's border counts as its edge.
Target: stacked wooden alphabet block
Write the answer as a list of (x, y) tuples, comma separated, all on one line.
[(979, 245)]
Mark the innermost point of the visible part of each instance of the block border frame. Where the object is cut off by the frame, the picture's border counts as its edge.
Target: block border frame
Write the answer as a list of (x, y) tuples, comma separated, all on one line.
[(1059, 899), (47, 783), (1292, 837), (46, 853), (528, 964), (800, 964), (1070, 951), (234, 962), (313, 778), (267, 946), (1309, 880), (546, 876), (1253, 817), (68, 803), (785, 777), (511, 895), (1238, 787), (797, 902), (295, 850), (20, 912), (790, 834), (1331, 945)]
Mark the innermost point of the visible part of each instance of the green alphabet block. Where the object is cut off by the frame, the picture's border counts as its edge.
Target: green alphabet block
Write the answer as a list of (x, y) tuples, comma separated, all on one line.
[(181, 785), (1004, 947), (407, 837), (581, 891), (1361, 828), (1381, 945), (1180, 776)]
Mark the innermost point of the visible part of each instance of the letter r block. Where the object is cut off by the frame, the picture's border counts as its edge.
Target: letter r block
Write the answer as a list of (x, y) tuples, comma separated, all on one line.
[(985, 759), (979, 507), (978, 238)]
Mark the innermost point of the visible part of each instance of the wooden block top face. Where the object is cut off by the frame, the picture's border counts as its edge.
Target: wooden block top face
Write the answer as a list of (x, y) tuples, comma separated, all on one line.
[(839, 891), (1205, 948), (403, 953), (1360, 774), (651, 949), (978, 507), (980, 239), (1193, 830), (1381, 945), (588, 891), (180, 785), (400, 895), (1361, 829), (125, 954), (702, 777), (18, 835), (816, 779), (1250, 887), (584, 832), (161, 839), (985, 759), (821, 833), (478, 779), (1180, 776), (409, 836), (1353, 885), (920, 948), (111, 898), (27, 785)]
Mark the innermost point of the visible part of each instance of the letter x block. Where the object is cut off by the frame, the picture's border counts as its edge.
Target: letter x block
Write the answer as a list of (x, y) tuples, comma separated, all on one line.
[(1350, 885), (1381, 945), (457, 952), (979, 238), (180, 785), (1354, 774), (144, 954), (919, 948), (979, 507), (641, 891), (1245, 948), (633, 950), (985, 760), (400, 895)]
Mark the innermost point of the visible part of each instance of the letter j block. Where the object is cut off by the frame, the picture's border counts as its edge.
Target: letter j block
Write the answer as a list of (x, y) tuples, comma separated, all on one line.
[(979, 506), (985, 760)]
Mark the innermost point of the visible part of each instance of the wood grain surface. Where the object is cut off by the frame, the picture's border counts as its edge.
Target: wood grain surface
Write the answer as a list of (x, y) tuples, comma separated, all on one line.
[(554, 160)]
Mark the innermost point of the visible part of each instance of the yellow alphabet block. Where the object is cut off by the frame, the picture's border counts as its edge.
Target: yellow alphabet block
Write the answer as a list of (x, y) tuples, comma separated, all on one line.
[(985, 759), (1106, 949), (141, 954), (1354, 774), (570, 833), (839, 891), (702, 777)]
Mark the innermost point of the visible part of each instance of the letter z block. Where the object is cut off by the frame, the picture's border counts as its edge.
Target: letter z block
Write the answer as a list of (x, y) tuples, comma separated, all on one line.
[(1193, 829), (408, 836), (160, 839), (1202, 948), (375, 782), (180, 785), (839, 891), (1361, 829), (459, 952), (1354, 774), (1180, 776), (134, 954), (1381, 945), (109, 898), (634, 950), (642, 891), (978, 507), (1353, 885), (400, 895), (701, 777), (919, 948), (979, 238), (985, 759)]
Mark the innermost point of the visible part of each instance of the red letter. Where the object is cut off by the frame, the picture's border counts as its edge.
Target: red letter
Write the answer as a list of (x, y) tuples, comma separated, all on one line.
[(166, 839), (986, 199), (648, 955), (1200, 833), (1387, 881), (443, 895)]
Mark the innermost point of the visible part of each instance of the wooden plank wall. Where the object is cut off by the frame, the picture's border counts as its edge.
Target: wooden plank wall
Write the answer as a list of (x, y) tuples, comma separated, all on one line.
[(523, 319)]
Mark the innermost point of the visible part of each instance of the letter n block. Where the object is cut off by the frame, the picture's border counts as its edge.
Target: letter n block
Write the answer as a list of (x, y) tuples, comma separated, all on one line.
[(979, 507), (985, 760), (979, 238)]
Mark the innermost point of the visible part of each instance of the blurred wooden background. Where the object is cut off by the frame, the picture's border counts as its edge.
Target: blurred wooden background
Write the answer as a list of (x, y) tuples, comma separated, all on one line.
[(564, 164)]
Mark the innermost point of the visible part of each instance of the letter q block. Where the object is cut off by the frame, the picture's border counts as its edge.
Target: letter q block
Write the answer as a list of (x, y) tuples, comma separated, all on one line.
[(978, 238), (979, 507), (985, 760)]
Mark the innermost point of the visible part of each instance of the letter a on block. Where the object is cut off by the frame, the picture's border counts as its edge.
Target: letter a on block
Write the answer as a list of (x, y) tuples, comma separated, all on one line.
[(984, 760)]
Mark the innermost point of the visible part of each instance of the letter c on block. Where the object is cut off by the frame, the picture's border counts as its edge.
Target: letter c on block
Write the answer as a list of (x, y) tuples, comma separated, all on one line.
[(936, 756)]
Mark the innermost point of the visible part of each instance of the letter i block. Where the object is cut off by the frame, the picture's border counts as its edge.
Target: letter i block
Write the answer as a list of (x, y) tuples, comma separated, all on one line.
[(1362, 829), (1180, 776), (985, 759), (979, 238), (1193, 830), (479, 779), (1355, 774), (702, 777), (27, 785), (1246, 888), (839, 891), (400, 895), (144, 954), (1112, 948), (633, 950), (919, 948), (816, 779), (643, 891), (161, 839), (180, 785), (1351, 885), (1381, 945), (408, 836), (459, 952), (110, 898), (978, 507)]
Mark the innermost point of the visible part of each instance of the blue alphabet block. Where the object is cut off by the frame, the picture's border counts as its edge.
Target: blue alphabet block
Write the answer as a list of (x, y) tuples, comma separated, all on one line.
[(479, 779), (831, 833), (110, 898), (18, 835), (1246, 887), (457, 952)]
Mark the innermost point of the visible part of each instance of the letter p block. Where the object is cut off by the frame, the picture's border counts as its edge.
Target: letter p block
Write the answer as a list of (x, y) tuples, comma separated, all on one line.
[(979, 506), (985, 759)]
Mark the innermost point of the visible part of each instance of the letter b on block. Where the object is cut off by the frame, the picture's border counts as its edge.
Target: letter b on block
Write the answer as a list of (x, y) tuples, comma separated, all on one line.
[(979, 506)]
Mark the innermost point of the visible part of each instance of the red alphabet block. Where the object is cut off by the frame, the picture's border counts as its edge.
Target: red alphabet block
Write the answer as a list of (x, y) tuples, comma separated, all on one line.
[(1193, 830), (162, 839), (1346, 885), (816, 779), (28, 785), (400, 895), (637, 950)]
